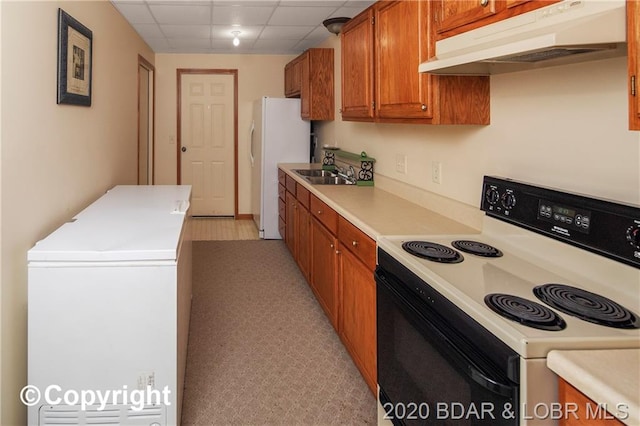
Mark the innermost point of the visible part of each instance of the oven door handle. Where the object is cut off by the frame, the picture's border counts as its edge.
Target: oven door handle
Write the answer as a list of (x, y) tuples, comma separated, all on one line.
[(491, 385)]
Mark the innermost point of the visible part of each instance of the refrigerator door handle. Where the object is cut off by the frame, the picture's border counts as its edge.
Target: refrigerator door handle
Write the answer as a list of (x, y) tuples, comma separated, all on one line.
[(251, 133)]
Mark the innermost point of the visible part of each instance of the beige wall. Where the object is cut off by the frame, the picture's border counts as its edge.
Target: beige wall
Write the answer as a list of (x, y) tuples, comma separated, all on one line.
[(56, 159), (564, 127), (258, 75)]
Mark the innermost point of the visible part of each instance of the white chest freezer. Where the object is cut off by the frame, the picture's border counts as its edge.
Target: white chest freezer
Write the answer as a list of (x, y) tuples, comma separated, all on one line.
[(109, 297)]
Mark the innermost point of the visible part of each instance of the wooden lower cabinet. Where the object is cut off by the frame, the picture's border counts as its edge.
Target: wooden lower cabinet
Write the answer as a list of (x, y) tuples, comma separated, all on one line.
[(594, 415), (357, 316), (324, 277), (303, 238), (290, 230)]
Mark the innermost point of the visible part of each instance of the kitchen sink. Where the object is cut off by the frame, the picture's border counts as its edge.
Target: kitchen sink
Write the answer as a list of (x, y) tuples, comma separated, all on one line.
[(315, 173), (328, 180)]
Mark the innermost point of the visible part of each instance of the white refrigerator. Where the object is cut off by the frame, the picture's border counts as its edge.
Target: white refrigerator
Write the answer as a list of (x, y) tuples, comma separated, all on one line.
[(277, 135), (109, 296)]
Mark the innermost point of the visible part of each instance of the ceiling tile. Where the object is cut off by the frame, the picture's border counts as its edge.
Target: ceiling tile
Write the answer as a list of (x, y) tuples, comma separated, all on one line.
[(136, 13), (285, 33), (225, 15), (186, 31), (247, 3), (148, 31), (181, 14), (300, 15)]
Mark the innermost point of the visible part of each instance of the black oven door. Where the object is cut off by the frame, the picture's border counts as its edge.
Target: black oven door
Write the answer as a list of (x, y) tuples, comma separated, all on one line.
[(430, 374)]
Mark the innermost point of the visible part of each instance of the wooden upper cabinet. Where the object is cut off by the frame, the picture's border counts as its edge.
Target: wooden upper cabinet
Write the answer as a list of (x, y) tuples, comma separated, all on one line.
[(381, 49), (310, 78), (457, 13), (633, 46), (317, 91), (293, 78), (357, 67), (402, 43), (456, 16)]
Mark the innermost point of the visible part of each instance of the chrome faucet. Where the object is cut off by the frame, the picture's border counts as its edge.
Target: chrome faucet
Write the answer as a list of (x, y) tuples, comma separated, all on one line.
[(347, 174)]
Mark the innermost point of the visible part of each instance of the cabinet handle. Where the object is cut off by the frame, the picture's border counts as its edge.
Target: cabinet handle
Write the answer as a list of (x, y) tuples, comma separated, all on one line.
[(423, 107), (319, 211), (331, 245), (354, 243), (337, 251), (484, 3)]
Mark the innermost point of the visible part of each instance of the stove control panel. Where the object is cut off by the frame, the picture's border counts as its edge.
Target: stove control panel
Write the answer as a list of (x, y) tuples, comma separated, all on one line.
[(605, 227), (563, 215)]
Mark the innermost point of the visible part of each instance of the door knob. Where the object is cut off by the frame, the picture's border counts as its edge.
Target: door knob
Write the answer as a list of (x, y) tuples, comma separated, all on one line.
[(183, 149)]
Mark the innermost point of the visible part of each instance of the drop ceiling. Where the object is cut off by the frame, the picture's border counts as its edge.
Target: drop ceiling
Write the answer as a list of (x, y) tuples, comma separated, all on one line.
[(266, 27)]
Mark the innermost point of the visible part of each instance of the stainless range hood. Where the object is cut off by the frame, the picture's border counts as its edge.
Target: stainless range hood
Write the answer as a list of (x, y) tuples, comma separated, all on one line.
[(566, 32)]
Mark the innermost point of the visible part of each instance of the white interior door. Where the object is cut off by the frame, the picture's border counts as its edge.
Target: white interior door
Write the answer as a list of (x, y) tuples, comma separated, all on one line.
[(207, 142)]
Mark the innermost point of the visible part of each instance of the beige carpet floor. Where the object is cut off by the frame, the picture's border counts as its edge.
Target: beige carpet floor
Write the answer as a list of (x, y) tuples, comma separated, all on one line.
[(261, 350)]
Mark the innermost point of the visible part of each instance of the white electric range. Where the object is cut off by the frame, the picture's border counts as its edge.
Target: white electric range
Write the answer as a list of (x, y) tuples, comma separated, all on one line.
[(567, 263)]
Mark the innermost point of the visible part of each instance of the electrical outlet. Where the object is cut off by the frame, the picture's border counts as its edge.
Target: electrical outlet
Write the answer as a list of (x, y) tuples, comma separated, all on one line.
[(401, 163), (436, 172)]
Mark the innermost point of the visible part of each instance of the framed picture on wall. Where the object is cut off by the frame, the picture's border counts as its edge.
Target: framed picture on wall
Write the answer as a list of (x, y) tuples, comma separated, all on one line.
[(74, 61)]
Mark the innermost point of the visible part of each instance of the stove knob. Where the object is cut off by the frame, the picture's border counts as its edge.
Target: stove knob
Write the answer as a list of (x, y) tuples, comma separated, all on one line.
[(633, 236), (508, 200), (492, 195)]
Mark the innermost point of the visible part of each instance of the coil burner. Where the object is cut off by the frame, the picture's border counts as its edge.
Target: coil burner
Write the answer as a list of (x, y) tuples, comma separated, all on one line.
[(432, 251), (524, 311), (586, 305)]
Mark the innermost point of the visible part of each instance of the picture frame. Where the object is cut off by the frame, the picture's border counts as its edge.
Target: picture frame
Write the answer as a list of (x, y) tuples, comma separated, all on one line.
[(75, 65)]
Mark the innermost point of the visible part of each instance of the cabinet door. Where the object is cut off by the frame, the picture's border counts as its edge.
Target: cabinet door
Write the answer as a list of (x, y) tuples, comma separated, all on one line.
[(402, 40), (633, 46), (457, 13), (324, 269), (357, 315), (303, 242), (357, 68), (305, 88), (317, 92), (290, 223), (292, 79)]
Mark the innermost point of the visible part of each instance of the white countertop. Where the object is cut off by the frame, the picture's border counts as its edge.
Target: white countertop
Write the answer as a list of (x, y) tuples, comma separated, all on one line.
[(608, 377), (377, 212)]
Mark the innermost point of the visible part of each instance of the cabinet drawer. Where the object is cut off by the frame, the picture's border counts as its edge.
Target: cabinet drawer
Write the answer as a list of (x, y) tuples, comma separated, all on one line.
[(302, 194), (281, 191), (281, 177), (325, 214), (291, 185), (356, 241), (282, 208)]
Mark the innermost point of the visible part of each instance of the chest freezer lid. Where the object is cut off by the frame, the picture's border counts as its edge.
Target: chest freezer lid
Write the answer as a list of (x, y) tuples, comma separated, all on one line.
[(126, 224)]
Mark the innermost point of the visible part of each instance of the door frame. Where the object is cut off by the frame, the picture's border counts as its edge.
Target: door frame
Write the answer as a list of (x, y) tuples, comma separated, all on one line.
[(142, 62), (234, 72)]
